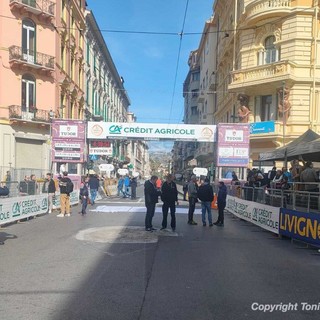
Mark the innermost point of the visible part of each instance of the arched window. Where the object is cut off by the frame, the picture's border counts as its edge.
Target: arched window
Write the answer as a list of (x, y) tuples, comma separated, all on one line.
[(270, 53), (28, 40), (28, 93)]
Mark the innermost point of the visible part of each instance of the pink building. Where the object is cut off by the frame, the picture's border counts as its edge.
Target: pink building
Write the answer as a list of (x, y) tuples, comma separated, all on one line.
[(41, 77), (27, 82)]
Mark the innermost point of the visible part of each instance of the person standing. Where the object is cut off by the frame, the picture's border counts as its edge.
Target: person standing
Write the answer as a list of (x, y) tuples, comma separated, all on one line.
[(84, 194), (185, 190), (120, 187), (64, 195), (221, 201), (205, 194), (32, 185), (94, 186), (169, 196), (151, 195), (193, 198), (127, 186), (133, 188), (49, 187)]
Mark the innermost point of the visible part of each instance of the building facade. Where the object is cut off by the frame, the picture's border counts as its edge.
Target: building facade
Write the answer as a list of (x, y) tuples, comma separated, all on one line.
[(268, 67), (27, 83)]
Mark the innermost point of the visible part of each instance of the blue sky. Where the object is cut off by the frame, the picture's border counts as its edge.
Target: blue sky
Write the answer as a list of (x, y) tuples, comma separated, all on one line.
[(148, 62)]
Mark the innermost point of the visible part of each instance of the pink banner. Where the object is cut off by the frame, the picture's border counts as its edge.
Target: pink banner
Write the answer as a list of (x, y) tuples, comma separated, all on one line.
[(68, 141), (233, 145)]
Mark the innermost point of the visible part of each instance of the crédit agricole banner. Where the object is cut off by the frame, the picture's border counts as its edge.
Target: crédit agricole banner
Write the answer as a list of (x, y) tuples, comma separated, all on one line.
[(151, 131)]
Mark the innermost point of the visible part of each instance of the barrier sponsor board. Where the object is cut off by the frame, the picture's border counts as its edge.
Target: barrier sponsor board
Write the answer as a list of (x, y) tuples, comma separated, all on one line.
[(150, 131), (303, 226), (264, 216), (13, 209)]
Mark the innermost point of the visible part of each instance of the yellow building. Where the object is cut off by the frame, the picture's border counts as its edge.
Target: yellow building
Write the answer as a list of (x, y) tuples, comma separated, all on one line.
[(70, 27), (267, 67)]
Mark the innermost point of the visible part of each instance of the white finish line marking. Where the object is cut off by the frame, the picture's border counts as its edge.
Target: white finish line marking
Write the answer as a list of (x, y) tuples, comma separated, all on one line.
[(118, 234), (123, 209)]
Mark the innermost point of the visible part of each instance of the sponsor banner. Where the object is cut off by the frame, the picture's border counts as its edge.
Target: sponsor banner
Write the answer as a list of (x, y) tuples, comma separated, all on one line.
[(233, 145), (13, 209), (68, 141), (101, 151), (74, 199), (68, 129), (150, 131), (264, 216), (262, 127), (303, 226)]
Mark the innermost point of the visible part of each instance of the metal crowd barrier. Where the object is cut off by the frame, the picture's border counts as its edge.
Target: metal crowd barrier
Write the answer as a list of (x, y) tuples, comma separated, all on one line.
[(293, 198)]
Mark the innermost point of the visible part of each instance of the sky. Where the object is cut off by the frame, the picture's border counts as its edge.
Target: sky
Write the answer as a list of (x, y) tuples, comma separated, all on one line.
[(152, 68)]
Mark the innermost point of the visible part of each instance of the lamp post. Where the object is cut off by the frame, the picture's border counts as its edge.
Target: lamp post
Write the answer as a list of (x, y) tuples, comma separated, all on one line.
[(283, 114), (51, 116)]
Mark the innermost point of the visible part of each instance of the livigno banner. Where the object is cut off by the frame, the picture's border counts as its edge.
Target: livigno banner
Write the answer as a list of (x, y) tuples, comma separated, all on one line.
[(151, 131)]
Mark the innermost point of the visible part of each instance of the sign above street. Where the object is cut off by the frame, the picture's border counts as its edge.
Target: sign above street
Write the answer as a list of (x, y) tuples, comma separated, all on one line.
[(150, 131), (106, 167), (200, 171)]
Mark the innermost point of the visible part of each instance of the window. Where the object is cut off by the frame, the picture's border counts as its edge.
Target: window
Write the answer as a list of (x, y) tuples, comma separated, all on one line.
[(62, 56), (270, 53), (28, 94), (196, 76), (265, 108), (194, 111), (195, 93), (28, 40)]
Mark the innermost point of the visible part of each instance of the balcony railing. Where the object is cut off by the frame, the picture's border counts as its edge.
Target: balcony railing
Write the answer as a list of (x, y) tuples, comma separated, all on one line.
[(265, 7), (36, 6), (36, 59), (33, 114), (262, 74)]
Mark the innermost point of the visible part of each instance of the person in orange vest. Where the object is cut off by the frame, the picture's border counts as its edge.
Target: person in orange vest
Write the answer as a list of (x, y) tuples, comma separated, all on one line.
[(159, 183)]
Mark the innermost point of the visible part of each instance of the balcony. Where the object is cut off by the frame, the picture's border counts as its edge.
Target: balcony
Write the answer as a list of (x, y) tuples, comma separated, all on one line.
[(263, 74), (265, 9), (30, 60), (34, 114), (42, 9)]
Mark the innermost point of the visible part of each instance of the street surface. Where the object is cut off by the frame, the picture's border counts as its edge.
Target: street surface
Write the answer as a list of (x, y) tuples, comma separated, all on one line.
[(105, 266)]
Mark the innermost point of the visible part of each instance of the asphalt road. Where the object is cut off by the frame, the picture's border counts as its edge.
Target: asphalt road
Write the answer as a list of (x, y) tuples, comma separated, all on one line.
[(50, 272)]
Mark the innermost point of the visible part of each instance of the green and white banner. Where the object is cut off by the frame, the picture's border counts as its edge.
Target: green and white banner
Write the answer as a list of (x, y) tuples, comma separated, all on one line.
[(151, 131), (13, 209), (264, 216)]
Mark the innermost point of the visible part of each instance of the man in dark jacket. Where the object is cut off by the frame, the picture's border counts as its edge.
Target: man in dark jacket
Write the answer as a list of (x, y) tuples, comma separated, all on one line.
[(134, 188), (193, 198), (49, 187), (222, 201), (205, 194), (151, 195), (94, 186), (169, 196), (64, 195)]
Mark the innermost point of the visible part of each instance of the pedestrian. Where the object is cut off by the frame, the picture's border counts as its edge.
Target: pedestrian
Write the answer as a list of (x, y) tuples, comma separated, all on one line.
[(221, 202), (151, 195), (94, 186), (134, 188), (120, 187), (127, 186), (23, 186), (49, 187), (66, 187), (84, 195), (193, 198), (309, 175), (185, 190), (32, 185), (205, 194), (169, 196)]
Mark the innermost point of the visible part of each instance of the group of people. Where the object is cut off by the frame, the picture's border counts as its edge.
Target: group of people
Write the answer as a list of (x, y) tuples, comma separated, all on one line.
[(127, 187), (169, 195)]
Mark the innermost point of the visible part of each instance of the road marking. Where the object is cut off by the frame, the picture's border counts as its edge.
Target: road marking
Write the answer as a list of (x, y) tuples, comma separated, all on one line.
[(124, 235)]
